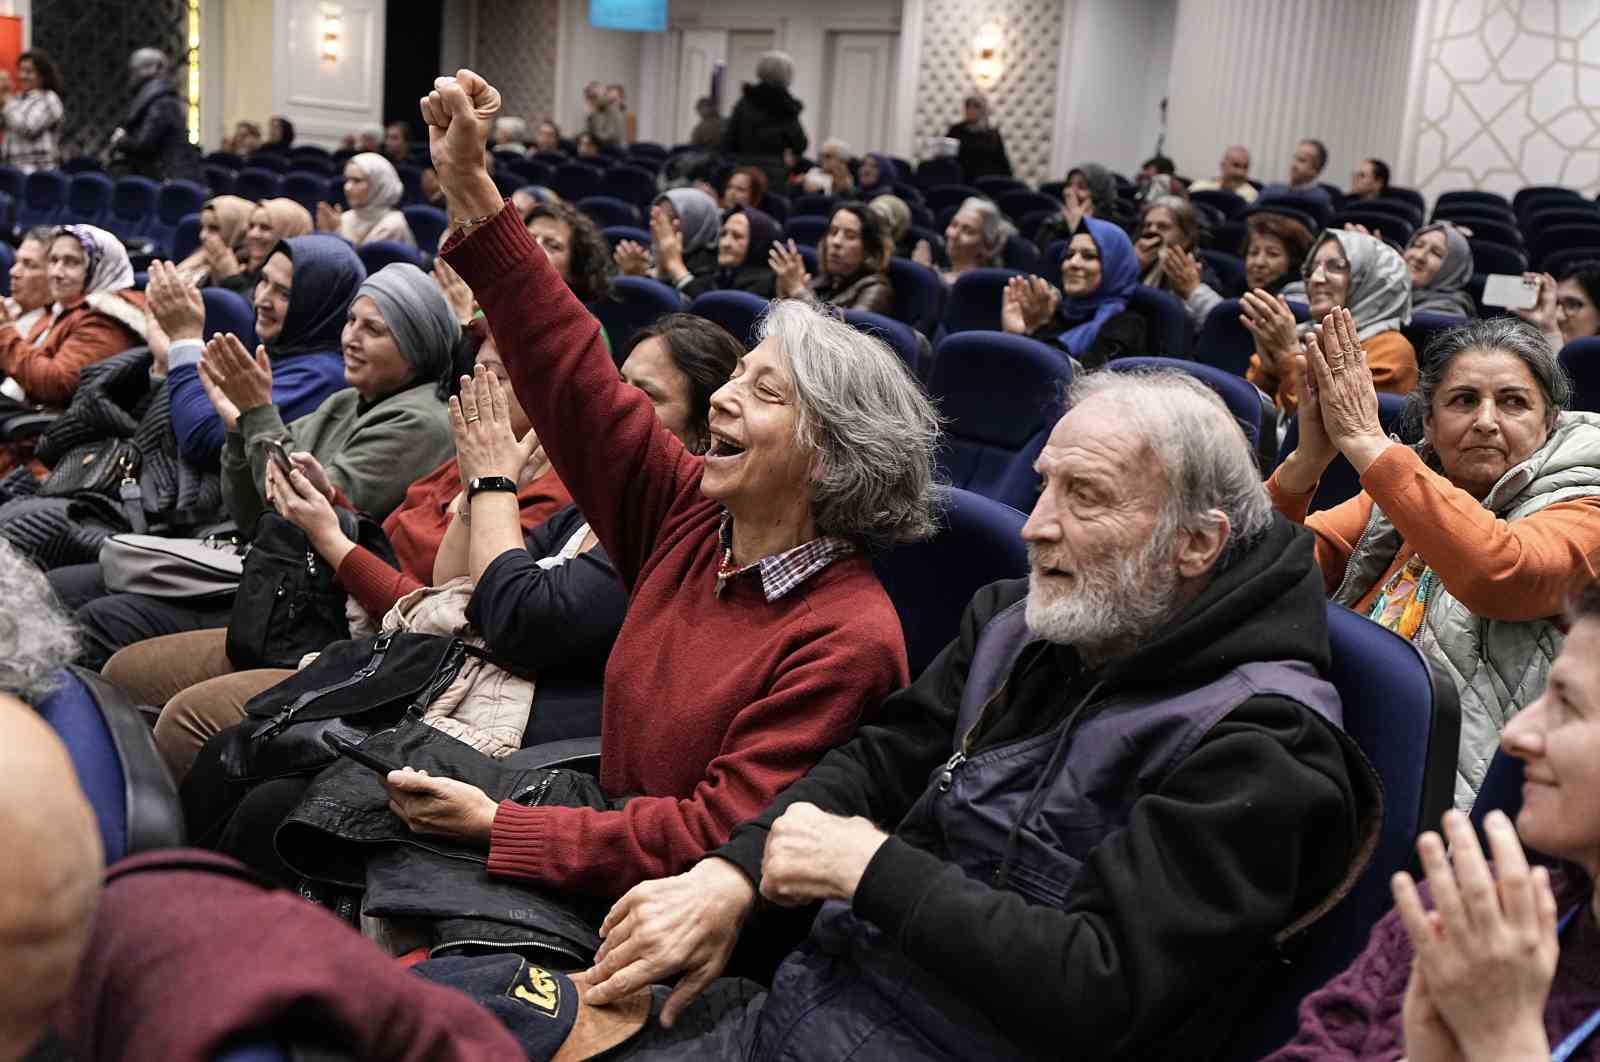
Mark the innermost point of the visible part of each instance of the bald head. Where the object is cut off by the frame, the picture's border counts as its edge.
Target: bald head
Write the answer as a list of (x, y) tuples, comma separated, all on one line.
[(147, 63), (49, 880)]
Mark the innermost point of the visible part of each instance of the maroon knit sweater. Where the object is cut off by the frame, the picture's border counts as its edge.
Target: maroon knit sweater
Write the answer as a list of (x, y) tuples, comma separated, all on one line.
[(712, 704), (1357, 1014)]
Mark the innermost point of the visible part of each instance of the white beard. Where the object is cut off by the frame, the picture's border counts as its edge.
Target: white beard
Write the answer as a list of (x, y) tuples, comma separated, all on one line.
[(1116, 600)]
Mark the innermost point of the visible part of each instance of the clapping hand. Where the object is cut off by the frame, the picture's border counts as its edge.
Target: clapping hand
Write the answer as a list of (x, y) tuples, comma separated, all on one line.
[(221, 262), (228, 371), (1485, 955), (790, 269), (668, 241), (177, 306), (328, 216), (922, 254), (1181, 270), (455, 290), (1268, 318), (632, 258), (1027, 305), (1344, 389), (1147, 249), (480, 420), (1078, 204)]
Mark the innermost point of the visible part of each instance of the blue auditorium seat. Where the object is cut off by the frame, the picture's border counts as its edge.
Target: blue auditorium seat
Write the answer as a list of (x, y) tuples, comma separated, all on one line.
[(410, 175), (934, 172), (82, 164), (736, 311), (1471, 195), (944, 196), (379, 253), (219, 179), (776, 207), (574, 180), (635, 304), (816, 206), (607, 211), (8, 258), (185, 238), (1396, 230), (1399, 208), (1229, 269), (919, 295), (506, 181), (1581, 359), (134, 800), (1166, 320), (228, 311), (305, 188), (88, 199), (1226, 203), (174, 202), (427, 224), (1224, 343), (1341, 482), (1020, 254), (615, 234), (11, 181), (808, 229), (996, 392), (932, 582), (902, 338), (1491, 256), (256, 184), (973, 303), (43, 199), (268, 160), (994, 187), (629, 184), (1406, 717), (133, 204), (1241, 397), (1016, 205), (1425, 326)]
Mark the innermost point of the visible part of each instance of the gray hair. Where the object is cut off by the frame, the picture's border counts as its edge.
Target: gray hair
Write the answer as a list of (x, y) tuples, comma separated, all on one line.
[(996, 229), (512, 126), (148, 62), (37, 638), (1183, 213), (39, 234), (1203, 453), (1507, 335), (872, 427), (838, 147), (775, 68)]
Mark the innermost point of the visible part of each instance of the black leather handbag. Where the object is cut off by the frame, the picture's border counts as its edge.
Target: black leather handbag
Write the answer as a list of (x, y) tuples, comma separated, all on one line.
[(98, 467), (289, 603)]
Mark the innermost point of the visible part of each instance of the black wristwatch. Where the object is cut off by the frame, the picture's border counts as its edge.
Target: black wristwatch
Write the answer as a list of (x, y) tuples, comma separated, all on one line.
[(483, 483)]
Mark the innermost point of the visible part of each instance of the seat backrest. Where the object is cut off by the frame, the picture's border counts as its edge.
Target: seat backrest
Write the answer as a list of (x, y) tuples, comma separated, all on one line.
[(11, 181), (228, 311), (133, 202), (1020, 254), (43, 200), (1340, 482), (934, 172), (919, 295), (88, 198), (608, 210), (996, 392), (182, 240), (974, 300), (574, 180), (134, 800), (256, 184), (1471, 195), (1564, 238), (1239, 395), (1425, 326), (944, 196), (8, 258), (1396, 230), (1581, 359), (635, 304), (379, 253), (1318, 213), (615, 234), (1406, 718), (1408, 195), (1398, 207), (179, 198), (817, 206), (1166, 318), (979, 542), (1229, 269), (806, 228), (304, 188), (776, 207), (902, 338), (736, 311), (427, 223), (1223, 200), (1490, 256), (1017, 205), (994, 186), (1224, 343)]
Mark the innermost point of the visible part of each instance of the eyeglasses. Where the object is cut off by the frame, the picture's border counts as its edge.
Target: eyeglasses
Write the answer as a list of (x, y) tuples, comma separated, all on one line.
[(1336, 267)]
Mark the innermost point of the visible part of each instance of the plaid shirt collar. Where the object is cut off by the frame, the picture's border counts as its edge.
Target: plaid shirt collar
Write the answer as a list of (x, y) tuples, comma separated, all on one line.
[(781, 572)]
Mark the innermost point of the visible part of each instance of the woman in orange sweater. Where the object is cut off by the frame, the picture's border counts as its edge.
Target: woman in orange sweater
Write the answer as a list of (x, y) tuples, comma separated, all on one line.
[(1470, 543), (1347, 269)]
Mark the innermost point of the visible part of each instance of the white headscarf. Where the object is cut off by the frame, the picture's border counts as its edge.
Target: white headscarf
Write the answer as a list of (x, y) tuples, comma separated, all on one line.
[(383, 193)]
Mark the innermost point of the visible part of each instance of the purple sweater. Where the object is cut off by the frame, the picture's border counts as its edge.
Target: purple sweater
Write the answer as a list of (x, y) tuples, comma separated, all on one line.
[(1357, 1014)]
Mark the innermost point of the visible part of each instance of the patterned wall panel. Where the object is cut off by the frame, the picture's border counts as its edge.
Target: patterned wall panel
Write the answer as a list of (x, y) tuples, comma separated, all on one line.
[(1509, 96), (517, 42), (91, 42), (1022, 102)]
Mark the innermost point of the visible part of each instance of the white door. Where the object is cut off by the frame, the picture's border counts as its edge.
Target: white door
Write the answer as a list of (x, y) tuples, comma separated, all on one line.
[(698, 57), (860, 79), (745, 49)]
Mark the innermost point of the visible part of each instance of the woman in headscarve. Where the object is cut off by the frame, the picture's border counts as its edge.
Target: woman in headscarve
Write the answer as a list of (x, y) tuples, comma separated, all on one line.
[(747, 238), (684, 226), (372, 188), (1090, 192), (270, 221), (1440, 261), (95, 313), (1087, 316), (1350, 269), (223, 221), (878, 173)]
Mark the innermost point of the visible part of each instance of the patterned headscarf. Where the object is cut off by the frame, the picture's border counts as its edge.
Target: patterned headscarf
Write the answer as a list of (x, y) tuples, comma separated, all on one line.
[(1379, 297), (108, 268)]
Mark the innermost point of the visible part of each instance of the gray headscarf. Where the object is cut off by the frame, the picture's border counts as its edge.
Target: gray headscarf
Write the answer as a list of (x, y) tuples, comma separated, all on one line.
[(1379, 297), (424, 327), (699, 217), (1102, 188), (1447, 291)]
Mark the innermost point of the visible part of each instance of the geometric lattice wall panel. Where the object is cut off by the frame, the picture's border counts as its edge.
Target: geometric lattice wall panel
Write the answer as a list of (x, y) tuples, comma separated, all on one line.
[(91, 41), (517, 52), (1022, 103), (1511, 89)]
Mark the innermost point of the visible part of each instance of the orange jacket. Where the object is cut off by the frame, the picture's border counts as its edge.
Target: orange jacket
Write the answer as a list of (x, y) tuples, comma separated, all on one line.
[(1390, 356), (1518, 571), (90, 331)]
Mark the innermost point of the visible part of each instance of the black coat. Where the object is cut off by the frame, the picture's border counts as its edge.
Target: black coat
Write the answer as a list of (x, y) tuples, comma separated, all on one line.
[(765, 121), (982, 152), (155, 140)]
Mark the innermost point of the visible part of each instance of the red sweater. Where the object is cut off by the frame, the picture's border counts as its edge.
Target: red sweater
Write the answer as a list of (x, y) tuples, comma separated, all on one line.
[(712, 704), (416, 529)]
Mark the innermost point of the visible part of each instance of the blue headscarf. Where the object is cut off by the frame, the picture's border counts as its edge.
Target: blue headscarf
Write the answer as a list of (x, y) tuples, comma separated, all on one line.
[(1119, 273), (326, 276), (888, 172)]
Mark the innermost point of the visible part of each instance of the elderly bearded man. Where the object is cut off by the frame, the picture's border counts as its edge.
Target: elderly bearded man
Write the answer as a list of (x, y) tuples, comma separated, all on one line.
[(1112, 797)]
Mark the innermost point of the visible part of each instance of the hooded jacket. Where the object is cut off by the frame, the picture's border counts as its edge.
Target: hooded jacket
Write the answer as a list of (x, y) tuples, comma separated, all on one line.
[(764, 122), (1169, 923), (155, 140)]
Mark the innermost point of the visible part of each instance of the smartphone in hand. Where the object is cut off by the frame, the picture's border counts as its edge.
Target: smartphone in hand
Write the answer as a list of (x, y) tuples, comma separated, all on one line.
[(1510, 290), (345, 747), (278, 454)]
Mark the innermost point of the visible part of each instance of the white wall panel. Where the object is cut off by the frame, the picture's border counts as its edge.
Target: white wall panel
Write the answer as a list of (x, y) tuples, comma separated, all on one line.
[(1265, 73), (1117, 60), (861, 89), (328, 100)]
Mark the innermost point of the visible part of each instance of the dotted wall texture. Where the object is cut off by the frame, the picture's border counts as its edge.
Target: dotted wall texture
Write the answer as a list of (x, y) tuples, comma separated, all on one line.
[(517, 41), (1022, 103), (1509, 96)]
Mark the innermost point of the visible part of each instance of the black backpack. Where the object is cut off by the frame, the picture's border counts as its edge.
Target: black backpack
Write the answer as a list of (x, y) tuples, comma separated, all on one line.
[(289, 603)]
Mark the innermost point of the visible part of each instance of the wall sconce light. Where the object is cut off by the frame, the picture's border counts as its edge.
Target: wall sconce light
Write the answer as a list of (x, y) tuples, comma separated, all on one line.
[(987, 64), (332, 34)]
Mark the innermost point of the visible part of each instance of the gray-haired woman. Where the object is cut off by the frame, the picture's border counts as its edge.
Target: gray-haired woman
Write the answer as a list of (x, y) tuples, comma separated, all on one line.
[(975, 238), (1166, 248), (756, 633), (1471, 543), (764, 129)]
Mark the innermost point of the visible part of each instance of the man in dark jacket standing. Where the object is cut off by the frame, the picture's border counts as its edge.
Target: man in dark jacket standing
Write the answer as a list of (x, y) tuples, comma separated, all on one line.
[(1113, 798), (982, 151), (153, 140), (765, 123)]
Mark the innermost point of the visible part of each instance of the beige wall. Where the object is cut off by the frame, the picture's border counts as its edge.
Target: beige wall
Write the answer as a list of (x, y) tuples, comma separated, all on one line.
[(246, 66)]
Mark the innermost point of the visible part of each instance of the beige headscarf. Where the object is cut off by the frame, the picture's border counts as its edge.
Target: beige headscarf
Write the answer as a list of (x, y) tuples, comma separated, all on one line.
[(233, 217)]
